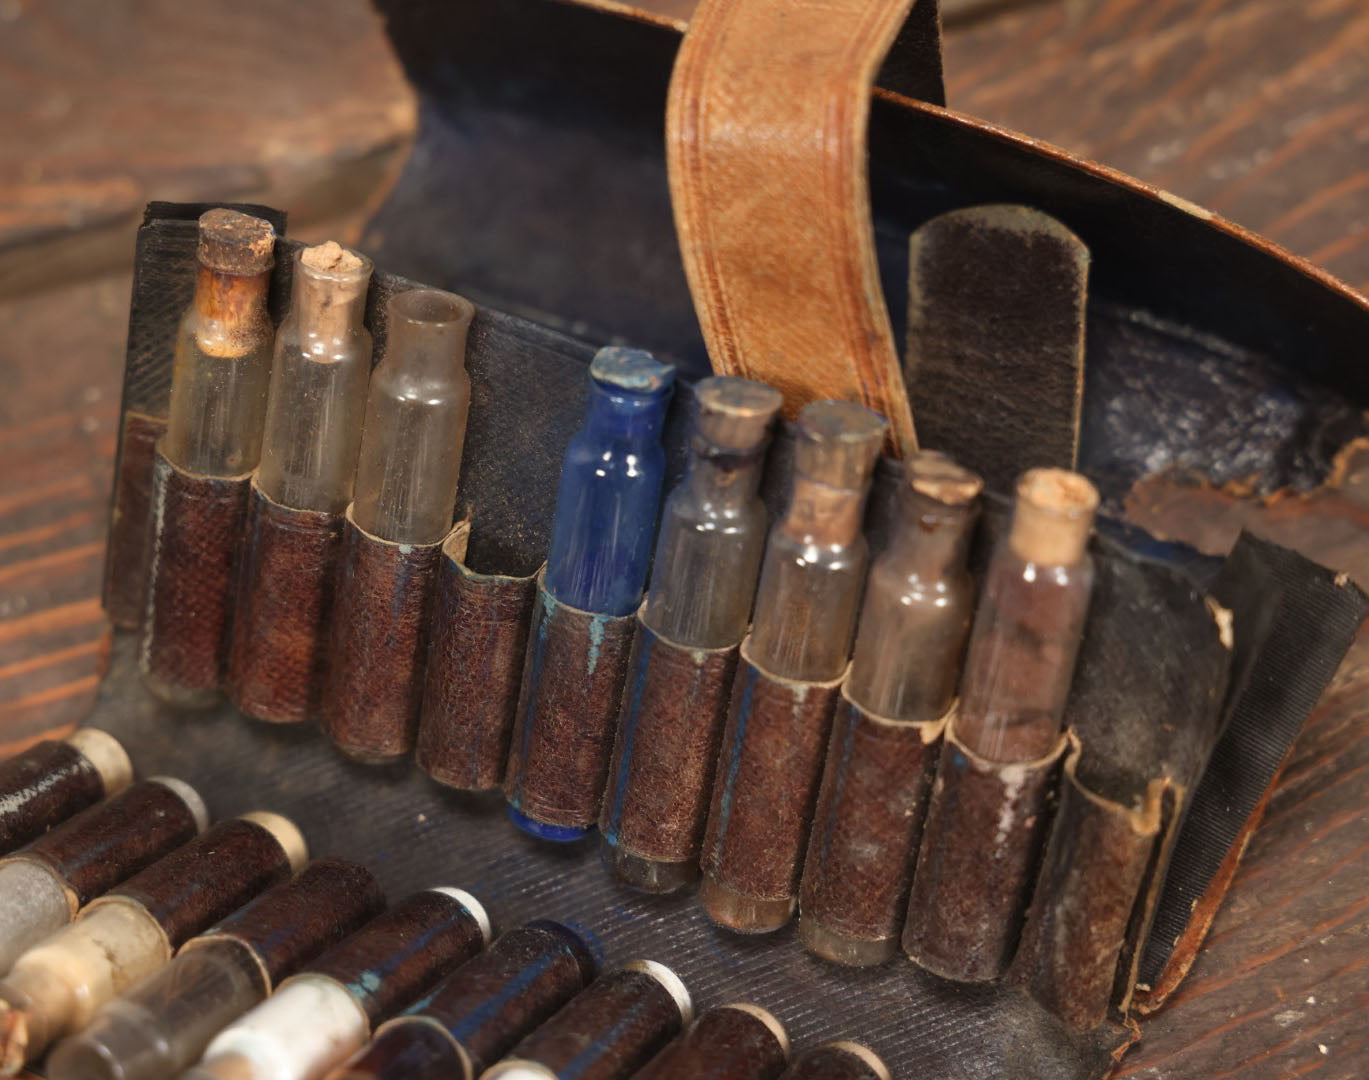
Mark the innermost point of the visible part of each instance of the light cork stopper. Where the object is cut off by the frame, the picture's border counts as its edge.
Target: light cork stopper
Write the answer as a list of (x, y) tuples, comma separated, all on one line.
[(106, 755), (1052, 517), (839, 443), (942, 479), (735, 414)]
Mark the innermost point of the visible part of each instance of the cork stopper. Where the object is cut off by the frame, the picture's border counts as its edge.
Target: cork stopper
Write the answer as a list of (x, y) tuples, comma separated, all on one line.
[(1052, 517), (333, 259), (287, 834), (187, 795), (942, 479), (235, 243), (865, 1054), (838, 443), (734, 413), (107, 755), (634, 370), (766, 1017), (674, 986)]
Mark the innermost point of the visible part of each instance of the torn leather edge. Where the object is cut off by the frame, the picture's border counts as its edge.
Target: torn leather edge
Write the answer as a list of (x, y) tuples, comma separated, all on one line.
[(478, 637)]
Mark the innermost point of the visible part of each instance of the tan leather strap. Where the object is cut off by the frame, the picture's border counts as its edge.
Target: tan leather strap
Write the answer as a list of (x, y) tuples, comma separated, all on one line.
[(766, 143)]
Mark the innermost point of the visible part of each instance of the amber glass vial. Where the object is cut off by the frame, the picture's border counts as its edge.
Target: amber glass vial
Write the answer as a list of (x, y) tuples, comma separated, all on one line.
[(607, 1032), (479, 1012), (1030, 621), (881, 757), (731, 1042)]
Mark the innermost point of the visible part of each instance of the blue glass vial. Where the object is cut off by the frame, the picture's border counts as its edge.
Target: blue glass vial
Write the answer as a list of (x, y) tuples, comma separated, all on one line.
[(610, 492)]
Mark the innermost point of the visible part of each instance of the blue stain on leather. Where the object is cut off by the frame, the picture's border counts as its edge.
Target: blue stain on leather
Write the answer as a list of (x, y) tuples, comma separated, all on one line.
[(734, 752)]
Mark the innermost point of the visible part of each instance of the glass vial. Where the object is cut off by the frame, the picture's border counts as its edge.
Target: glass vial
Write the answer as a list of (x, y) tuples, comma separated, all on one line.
[(410, 458), (610, 488), (319, 373), (816, 555), (222, 369), (1030, 620), (713, 527), (919, 598)]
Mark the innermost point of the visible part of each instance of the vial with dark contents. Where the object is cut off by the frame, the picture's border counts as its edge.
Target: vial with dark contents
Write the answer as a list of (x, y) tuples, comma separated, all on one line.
[(816, 556), (1030, 620)]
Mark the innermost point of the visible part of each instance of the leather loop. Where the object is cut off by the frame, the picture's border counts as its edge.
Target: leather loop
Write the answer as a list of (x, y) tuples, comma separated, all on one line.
[(766, 146)]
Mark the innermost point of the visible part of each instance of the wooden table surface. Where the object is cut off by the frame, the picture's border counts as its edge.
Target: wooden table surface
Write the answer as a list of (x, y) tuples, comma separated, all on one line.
[(1257, 108)]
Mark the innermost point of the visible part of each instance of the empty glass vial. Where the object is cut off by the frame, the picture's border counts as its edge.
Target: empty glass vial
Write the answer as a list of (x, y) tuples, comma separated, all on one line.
[(816, 555), (713, 526), (1030, 620), (223, 350), (919, 598), (410, 459), (318, 384), (611, 486)]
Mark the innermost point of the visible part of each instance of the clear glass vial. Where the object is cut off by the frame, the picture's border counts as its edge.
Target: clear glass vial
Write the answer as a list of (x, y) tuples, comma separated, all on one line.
[(319, 373), (610, 489), (222, 368), (409, 464), (919, 598), (1030, 620), (816, 556), (712, 534)]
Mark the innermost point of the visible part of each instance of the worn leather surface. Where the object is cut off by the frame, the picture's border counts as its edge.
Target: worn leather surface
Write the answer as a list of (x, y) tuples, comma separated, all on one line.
[(567, 709), (203, 881), (765, 139), (197, 530), (611, 1029), (830, 1063), (768, 773), (477, 639), (284, 600), (985, 825), (296, 920), (400, 954), (105, 844), (868, 823), (42, 787), (377, 649), (665, 752), (995, 348), (723, 1044), (125, 585)]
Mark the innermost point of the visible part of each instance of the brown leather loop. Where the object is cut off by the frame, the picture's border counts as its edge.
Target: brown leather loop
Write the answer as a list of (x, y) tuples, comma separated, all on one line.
[(766, 145)]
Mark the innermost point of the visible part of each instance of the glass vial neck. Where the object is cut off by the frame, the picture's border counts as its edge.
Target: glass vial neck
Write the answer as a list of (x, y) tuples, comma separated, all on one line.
[(1052, 517), (230, 311), (329, 295), (834, 458), (427, 336), (937, 510)]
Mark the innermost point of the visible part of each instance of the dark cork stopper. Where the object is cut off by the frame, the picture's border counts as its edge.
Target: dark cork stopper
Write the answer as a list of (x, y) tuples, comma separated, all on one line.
[(285, 597), (198, 525), (374, 686), (673, 713), (42, 787), (611, 1030), (519, 982), (205, 880), (111, 842), (837, 1061), (866, 831), (567, 711), (235, 243), (733, 1042), (769, 773), (126, 555), (399, 955), (407, 1049), (292, 922), (479, 635), (979, 854)]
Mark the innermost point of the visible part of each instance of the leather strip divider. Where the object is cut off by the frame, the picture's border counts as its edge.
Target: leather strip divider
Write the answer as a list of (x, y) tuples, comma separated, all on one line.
[(765, 135), (478, 636), (197, 533), (567, 708), (374, 685), (285, 595)]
